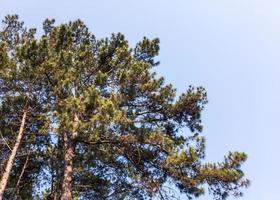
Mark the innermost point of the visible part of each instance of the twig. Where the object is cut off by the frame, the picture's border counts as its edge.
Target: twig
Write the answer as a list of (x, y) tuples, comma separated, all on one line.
[(5, 142)]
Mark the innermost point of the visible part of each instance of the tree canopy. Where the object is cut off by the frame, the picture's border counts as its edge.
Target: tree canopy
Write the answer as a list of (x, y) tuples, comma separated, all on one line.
[(100, 123)]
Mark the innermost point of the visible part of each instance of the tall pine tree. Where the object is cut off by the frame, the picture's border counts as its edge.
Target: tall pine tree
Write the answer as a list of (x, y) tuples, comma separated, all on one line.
[(23, 105), (118, 127)]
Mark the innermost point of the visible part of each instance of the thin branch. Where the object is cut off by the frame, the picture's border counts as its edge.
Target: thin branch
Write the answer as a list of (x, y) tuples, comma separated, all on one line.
[(21, 173), (5, 142), (122, 142)]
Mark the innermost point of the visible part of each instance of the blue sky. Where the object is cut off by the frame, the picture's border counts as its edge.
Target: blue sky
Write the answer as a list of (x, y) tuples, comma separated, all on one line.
[(231, 47)]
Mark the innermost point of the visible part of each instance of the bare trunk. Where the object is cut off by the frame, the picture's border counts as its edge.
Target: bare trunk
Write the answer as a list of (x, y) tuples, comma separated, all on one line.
[(68, 168), (11, 159), (69, 153)]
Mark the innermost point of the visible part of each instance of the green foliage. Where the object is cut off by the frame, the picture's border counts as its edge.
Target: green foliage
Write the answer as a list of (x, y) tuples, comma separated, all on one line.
[(128, 143), (22, 90)]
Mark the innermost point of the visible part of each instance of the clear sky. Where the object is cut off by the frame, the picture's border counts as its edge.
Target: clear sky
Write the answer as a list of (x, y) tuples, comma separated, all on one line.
[(231, 47)]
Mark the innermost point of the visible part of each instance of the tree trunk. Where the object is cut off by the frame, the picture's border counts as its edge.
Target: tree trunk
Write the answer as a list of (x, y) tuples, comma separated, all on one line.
[(11, 159), (68, 168), (69, 153)]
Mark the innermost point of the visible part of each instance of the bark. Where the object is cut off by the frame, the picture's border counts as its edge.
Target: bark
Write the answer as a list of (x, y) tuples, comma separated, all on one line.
[(69, 153), (68, 167), (8, 168)]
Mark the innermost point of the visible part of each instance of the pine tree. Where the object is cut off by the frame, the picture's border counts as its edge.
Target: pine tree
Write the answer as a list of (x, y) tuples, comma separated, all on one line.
[(118, 127), (23, 101)]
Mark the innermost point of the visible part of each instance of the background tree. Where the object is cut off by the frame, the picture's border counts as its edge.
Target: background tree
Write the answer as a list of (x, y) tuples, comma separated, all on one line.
[(23, 102), (118, 126)]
